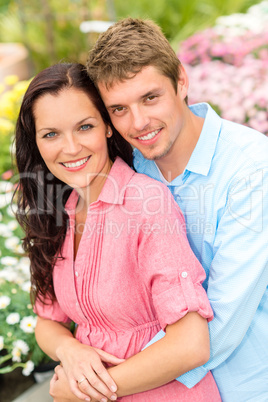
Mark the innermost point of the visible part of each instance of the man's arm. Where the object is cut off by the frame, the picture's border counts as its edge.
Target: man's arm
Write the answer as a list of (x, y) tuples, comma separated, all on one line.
[(239, 271)]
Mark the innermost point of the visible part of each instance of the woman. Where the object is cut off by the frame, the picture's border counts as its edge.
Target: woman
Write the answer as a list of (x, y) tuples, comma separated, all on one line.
[(105, 252)]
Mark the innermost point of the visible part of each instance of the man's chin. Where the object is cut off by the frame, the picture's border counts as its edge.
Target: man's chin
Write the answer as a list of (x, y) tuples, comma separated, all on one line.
[(154, 155)]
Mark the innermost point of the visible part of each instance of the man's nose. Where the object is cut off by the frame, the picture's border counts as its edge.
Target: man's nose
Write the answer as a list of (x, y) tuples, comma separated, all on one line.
[(140, 119)]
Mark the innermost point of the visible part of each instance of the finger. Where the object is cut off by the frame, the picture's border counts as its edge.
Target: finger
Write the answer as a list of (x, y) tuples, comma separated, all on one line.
[(58, 369), (52, 383), (108, 358), (74, 386), (102, 380), (53, 380), (91, 387)]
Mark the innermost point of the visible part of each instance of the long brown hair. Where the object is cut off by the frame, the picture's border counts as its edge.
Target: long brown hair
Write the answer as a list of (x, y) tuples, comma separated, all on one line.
[(40, 196)]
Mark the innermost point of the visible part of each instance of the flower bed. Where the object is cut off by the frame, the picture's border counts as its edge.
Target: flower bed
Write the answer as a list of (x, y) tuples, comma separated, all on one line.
[(18, 347), (227, 67)]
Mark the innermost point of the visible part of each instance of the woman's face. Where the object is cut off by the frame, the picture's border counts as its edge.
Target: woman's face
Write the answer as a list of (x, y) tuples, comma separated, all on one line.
[(72, 138)]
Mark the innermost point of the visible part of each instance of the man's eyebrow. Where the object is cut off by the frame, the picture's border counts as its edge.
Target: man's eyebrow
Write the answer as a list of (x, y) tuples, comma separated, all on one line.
[(149, 93)]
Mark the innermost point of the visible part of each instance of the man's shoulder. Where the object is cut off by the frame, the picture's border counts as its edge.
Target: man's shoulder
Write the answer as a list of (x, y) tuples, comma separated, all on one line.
[(244, 145)]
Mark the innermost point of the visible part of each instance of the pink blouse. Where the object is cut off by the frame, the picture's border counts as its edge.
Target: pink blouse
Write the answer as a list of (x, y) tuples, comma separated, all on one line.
[(134, 274)]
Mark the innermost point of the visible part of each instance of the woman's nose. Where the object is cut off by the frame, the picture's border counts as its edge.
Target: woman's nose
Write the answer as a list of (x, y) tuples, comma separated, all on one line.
[(72, 145)]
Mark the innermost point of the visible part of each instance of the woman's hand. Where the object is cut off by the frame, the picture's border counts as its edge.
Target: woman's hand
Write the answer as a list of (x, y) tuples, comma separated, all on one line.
[(86, 374), (60, 389)]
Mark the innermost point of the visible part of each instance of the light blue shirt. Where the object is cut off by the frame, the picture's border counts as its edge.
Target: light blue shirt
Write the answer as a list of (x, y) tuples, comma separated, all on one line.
[(223, 194)]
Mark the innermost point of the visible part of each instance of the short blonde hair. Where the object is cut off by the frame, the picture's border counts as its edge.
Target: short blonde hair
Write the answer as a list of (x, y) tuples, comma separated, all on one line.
[(128, 46)]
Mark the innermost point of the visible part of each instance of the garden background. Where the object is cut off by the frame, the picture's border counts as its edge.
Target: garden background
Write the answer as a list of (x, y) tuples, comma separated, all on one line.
[(224, 48)]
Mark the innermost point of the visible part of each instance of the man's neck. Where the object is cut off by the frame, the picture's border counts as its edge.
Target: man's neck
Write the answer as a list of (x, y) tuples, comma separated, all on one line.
[(174, 163)]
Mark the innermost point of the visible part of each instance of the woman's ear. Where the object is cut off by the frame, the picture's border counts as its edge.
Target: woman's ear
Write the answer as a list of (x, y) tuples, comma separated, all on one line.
[(109, 132)]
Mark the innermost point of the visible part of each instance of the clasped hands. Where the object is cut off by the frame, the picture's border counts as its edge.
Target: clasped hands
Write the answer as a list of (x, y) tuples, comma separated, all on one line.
[(85, 377)]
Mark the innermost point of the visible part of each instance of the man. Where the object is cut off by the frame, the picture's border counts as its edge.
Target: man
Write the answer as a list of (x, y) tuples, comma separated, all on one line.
[(218, 173)]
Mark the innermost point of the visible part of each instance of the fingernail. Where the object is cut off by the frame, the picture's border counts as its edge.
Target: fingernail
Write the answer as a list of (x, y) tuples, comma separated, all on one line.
[(113, 388), (113, 398), (87, 399), (103, 400)]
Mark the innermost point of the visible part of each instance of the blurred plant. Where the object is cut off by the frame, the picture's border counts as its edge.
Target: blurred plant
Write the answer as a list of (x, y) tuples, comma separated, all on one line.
[(18, 347), (48, 28), (231, 72), (10, 99)]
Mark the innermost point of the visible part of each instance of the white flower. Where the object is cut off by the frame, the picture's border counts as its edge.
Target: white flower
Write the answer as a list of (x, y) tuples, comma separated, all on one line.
[(18, 249), (5, 186), (16, 355), (12, 225), (12, 242), (13, 318), (5, 199), (24, 265), (4, 230), (4, 302), (11, 210), (8, 274), (26, 286), (29, 366), (1, 342), (22, 346), (28, 324), (9, 261)]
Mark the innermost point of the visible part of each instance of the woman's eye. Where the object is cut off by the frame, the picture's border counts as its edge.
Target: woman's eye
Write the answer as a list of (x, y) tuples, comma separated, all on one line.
[(85, 127), (50, 135)]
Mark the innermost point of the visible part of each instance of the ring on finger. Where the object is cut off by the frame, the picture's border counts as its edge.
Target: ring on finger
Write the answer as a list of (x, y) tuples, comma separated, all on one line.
[(83, 379)]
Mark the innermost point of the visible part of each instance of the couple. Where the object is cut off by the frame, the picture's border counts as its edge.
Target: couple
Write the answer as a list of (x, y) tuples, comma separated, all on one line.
[(144, 284)]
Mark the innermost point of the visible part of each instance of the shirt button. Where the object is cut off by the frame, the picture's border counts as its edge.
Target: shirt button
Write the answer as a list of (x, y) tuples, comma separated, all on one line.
[(184, 274), (76, 273)]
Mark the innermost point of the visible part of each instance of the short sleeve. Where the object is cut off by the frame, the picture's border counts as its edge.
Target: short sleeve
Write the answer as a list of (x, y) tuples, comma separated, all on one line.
[(169, 267), (50, 311)]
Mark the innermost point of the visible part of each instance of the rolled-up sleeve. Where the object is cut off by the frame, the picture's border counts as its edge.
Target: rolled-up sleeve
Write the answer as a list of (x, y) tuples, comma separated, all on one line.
[(50, 310), (170, 269)]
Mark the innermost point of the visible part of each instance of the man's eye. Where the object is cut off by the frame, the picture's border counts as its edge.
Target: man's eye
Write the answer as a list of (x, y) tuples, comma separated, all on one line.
[(118, 109), (50, 135), (150, 98)]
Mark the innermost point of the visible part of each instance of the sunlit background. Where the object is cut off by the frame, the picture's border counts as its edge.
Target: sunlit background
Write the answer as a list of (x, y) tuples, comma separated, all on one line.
[(223, 46)]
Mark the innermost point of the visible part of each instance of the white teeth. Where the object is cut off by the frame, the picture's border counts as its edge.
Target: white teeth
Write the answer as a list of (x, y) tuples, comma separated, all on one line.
[(149, 136), (76, 164)]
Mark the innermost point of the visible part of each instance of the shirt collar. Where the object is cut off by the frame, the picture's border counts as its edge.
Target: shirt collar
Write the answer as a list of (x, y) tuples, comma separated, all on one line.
[(113, 191), (201, 158)]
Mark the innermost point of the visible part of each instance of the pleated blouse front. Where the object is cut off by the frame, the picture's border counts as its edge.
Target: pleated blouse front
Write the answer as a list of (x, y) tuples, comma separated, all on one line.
[(134, 273)]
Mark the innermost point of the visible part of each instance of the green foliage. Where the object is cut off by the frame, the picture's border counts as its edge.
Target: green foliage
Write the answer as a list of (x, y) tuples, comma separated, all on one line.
[(180, 19), (50, 28), (10, 100)]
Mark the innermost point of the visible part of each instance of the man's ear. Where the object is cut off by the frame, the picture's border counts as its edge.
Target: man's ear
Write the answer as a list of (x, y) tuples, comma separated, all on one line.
[(183, 83)]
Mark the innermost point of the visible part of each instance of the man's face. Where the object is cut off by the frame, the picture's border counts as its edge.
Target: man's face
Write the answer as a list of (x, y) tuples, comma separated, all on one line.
[(147, 111)]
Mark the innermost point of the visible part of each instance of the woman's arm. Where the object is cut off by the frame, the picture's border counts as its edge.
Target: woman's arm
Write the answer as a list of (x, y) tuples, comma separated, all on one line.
[(185, 346), (78, 360)]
